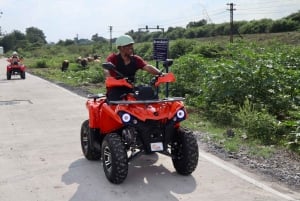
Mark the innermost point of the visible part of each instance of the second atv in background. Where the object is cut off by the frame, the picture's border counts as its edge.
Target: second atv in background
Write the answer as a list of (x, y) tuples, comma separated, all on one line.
[(15, 67)]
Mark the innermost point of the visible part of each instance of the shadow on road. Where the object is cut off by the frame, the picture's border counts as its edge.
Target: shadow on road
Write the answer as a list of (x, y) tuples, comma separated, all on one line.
[(148, 179), (4, 79)]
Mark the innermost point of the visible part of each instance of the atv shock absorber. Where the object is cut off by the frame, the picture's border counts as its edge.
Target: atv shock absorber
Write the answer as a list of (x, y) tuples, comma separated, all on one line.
[(129, 136)]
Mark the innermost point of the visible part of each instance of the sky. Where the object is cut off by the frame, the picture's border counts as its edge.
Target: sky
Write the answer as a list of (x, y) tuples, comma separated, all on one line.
[(67, 19)]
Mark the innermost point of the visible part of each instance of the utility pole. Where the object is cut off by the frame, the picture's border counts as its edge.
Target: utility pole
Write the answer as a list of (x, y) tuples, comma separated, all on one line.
[(231, 9), (110, 40), (76, 39)]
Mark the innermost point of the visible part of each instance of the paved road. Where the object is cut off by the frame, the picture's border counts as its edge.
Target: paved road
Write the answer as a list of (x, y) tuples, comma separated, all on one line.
[(41, 159)]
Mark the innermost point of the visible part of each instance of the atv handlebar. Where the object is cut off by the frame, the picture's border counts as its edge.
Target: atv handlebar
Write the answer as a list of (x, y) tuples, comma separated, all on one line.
[(156, 81), (111, 66)]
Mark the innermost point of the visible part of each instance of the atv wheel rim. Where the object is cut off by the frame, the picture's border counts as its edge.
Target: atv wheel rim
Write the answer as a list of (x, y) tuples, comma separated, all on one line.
[(85, 141), (107, 159)]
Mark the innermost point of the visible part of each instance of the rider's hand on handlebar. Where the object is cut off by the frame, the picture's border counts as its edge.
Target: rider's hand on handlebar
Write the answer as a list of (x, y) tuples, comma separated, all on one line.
[(161, 74)]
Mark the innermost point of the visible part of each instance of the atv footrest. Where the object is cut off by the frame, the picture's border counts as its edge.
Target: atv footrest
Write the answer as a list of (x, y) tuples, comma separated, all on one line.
[(95, 96)]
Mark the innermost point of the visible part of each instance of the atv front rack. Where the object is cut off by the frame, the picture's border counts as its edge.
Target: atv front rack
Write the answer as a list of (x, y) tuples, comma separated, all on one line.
[(124, 102)]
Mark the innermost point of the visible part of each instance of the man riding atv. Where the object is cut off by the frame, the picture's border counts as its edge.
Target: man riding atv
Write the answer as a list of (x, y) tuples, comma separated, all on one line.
[(132, 120), (15, 67), (14, 59), (127, 64)]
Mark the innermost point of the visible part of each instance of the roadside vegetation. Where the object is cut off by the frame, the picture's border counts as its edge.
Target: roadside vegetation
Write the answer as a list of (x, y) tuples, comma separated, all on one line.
[(245, 93)]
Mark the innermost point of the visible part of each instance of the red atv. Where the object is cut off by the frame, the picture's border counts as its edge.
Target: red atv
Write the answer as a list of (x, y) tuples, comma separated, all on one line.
[(140, 123), (15, 67)]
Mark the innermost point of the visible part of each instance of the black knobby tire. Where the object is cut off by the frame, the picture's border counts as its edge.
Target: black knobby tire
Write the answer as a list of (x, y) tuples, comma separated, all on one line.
[(185, 152), (114, 158), (8, 75), (23, 76), (86, 139)]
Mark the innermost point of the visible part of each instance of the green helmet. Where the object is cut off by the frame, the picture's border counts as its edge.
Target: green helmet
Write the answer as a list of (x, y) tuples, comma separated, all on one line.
[(124, 40)]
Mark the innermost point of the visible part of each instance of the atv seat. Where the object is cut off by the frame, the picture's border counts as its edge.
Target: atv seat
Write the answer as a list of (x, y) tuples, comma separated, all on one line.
[(145, 93)]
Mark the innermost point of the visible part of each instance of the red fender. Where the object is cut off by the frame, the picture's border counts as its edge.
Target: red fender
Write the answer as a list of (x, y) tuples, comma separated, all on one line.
[(110, 120)]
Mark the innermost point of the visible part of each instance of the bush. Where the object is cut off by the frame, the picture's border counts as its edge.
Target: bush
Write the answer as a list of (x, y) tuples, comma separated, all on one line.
[(191, 71), (258, 124), (294, 140), (209, 51), (293, 137), (41, 64), (222, 114), (180, 48), (144, 50)]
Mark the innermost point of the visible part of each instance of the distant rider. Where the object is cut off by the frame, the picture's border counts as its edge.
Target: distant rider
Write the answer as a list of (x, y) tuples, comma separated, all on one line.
[(14, 59)]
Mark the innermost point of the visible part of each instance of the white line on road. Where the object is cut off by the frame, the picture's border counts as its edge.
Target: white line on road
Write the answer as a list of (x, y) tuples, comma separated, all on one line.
[(243, 176)]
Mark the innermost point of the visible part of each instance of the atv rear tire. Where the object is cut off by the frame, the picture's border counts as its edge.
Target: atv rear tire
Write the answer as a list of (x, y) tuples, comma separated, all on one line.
[(23, 75), (90, 152), (185, 152), (8, 75), (114, 158)]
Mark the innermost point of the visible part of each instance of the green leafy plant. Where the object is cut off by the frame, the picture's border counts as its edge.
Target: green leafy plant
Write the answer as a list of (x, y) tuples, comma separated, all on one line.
[(41, 64), (258, 124)]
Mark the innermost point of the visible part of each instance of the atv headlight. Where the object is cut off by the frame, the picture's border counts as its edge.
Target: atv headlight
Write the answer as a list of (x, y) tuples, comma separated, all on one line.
[(180, 114), (126, 117)]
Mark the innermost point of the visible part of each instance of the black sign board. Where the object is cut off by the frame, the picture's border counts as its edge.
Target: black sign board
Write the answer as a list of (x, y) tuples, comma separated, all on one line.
[(160, 49)]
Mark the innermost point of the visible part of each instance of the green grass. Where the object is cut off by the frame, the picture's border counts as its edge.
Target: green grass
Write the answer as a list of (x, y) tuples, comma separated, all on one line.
[(217, 135)]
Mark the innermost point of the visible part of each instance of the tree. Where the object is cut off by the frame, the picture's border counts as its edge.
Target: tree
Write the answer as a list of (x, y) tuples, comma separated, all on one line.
[(67, 42), (190, 33), (256, 26), (174, 33), (35, 36), (284, 25), (295, 17), (97, 38), (13, 41), (196, 24)]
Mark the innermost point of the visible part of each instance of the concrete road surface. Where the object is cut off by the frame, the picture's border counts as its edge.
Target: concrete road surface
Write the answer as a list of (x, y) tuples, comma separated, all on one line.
[(41, 158)]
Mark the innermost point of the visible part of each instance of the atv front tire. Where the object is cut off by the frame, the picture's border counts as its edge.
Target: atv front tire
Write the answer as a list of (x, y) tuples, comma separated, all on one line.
[(114, 158), (185, 151), (87, 143)]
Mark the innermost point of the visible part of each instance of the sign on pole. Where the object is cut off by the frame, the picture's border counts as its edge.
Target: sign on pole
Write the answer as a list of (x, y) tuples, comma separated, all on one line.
[(160, 49)]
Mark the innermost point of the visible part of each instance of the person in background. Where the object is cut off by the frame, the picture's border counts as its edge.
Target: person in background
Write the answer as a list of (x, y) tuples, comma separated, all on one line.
[(14, 59)]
